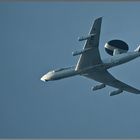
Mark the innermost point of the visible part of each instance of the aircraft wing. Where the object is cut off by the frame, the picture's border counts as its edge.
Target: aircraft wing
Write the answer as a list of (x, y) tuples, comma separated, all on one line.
[(105, 77), (91, 56)]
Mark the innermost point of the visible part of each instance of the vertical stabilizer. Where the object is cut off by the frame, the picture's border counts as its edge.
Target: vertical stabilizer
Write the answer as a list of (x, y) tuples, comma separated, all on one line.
[(137, 49)]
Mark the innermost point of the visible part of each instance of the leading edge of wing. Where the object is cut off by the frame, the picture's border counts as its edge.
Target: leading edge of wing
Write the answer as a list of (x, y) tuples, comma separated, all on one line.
[(105, 77), (91, 56)]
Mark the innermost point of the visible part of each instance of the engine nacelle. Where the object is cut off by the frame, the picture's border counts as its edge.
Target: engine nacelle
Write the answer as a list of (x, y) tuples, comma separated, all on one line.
[(116, 92), (85, 37), (98, 87), (80, 52), (114, 47), (77, 53)]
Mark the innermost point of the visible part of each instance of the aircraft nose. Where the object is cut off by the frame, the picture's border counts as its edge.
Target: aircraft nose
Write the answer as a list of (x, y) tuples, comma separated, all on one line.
[(47, 77), (44, 78)]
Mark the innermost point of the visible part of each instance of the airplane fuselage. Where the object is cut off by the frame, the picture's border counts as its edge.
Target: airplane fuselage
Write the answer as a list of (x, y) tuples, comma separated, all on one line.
[(106, 64), (91, 65), (120, 59)]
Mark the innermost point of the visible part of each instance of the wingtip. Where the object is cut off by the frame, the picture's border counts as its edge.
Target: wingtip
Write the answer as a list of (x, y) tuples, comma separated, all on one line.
[(99, 18)]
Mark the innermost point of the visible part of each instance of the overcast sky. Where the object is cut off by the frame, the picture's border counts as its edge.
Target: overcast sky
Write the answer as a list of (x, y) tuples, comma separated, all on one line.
[(38, 37)]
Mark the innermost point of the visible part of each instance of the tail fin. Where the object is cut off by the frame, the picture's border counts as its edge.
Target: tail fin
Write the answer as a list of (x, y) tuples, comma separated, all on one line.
[(137, 49)]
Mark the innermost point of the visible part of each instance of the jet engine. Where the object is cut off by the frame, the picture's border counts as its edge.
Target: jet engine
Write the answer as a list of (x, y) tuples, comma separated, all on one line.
[(98, 87), (114, 47), (116, 92)]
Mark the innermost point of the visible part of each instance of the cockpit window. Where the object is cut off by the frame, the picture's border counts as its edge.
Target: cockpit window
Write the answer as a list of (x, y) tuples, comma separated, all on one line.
[(59, 69), (62, 69), (50, 72)]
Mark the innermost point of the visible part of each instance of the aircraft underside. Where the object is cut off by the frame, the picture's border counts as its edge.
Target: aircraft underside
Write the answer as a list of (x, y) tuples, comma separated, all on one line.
[(92, 66)]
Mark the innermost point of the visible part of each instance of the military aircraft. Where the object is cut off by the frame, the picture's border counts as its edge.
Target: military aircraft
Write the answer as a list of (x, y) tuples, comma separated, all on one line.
[(92, 66)]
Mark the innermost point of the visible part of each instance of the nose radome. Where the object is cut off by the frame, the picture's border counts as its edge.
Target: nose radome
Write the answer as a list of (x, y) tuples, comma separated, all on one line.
[(47, 77), (42, 79)]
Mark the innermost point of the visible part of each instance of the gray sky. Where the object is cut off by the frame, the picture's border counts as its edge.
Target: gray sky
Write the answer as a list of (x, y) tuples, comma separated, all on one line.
[(38, 37)]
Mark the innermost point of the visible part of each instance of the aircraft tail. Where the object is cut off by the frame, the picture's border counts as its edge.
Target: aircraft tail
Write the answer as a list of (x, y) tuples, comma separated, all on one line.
[(137, 49)]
